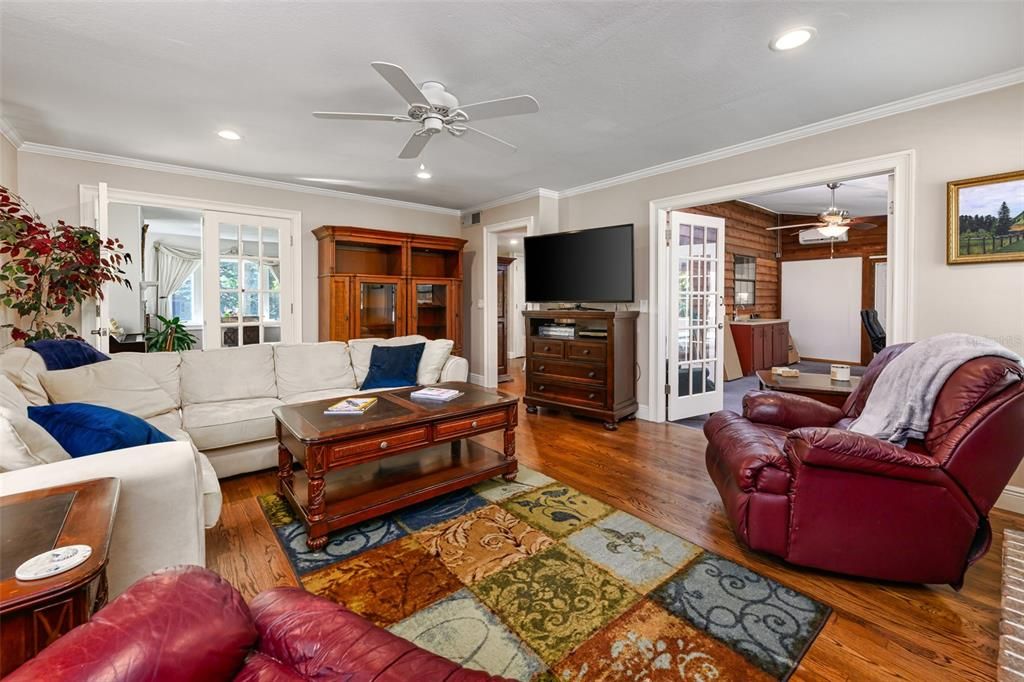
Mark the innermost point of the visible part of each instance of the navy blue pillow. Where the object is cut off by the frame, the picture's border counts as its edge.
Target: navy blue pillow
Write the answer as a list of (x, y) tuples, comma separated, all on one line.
[(393, 366), (66, 353), (84, 429)]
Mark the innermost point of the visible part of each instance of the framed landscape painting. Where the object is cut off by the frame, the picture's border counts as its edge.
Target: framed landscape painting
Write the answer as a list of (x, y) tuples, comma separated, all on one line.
[(985, 219)]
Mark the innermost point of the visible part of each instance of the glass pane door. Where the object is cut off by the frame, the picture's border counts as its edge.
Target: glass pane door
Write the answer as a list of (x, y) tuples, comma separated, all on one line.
[(247, 285), (696, 246), (432, 310), (378, 309)]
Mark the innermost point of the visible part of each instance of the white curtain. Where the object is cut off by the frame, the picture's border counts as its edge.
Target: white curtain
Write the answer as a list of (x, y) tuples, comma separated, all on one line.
[(174, 265)]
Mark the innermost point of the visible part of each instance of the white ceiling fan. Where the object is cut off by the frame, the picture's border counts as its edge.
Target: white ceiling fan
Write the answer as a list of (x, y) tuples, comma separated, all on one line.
[(833, 221), (434, 109)]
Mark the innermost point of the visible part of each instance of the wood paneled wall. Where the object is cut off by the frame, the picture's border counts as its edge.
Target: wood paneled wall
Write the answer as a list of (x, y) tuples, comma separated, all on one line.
[(746, 235)]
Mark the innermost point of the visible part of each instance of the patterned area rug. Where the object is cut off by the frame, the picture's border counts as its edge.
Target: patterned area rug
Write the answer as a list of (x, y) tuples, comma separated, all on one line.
[(534, 580)]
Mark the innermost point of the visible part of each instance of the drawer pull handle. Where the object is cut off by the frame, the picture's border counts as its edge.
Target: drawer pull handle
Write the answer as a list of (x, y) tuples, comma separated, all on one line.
[(474, 424), (541, 368), (547, 348), (591, 374), (586, 351), (540, 388), (590, 396), (383, 445)]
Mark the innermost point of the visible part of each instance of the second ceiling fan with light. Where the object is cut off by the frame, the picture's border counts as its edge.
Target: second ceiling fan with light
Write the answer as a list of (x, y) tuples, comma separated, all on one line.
[(433, 109), (833, 221)]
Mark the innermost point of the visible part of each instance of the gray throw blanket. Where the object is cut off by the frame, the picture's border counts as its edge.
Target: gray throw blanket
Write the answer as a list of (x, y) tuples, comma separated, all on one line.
[(901, 401)]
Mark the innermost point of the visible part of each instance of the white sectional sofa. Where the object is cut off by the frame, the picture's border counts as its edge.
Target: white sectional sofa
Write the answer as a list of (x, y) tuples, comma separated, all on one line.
[(220, 402)]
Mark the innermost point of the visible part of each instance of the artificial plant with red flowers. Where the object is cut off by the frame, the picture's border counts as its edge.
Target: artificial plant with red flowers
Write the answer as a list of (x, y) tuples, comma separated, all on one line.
[(48, 271)]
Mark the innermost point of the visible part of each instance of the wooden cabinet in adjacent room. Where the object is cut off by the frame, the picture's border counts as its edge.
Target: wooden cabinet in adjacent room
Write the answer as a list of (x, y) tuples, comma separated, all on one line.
[(761, 344), (377, 283)]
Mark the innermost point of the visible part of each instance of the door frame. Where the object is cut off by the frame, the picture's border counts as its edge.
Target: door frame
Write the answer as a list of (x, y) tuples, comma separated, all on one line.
[(490, 275), (88, 196), (900, 247)]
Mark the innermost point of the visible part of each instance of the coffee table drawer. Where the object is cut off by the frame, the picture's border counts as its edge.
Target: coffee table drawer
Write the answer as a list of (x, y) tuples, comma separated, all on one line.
[(465, 426), (379, 444)]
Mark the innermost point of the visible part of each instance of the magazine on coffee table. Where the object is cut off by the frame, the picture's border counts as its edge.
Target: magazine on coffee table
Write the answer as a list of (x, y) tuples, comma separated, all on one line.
[(351, 406), (436, 394)]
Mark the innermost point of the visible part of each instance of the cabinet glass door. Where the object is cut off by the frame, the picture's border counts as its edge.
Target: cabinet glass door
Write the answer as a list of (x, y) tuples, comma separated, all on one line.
[(378, 310), (432, 310)]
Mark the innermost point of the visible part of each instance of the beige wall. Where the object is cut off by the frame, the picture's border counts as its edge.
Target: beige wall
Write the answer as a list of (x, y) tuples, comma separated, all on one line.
[(50, 185), (8, 164)]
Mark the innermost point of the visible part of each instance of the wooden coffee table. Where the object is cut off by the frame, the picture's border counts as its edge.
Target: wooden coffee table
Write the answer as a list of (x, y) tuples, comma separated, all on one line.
[(821, 387), (401, 451), (34, 613)]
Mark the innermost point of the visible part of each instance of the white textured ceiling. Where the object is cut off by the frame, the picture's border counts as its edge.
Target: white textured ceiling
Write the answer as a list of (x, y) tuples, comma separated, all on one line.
[(861, 197), (621, 85)]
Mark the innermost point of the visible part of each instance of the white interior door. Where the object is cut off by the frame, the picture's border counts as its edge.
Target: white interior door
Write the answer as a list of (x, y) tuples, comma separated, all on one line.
[(248, 285), (696, 314), (96, 318)]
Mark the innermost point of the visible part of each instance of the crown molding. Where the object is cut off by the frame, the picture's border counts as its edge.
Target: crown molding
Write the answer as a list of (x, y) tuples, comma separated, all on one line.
[(534, 193), (64, 152), (975, 87), (8, 131)]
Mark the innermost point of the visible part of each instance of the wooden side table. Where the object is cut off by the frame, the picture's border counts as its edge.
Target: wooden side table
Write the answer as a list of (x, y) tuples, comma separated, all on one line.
[(35, 613), (821, 387)]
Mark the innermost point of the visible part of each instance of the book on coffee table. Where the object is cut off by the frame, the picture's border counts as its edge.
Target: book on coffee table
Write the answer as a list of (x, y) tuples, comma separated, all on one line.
[(439, 394), (351, 406)]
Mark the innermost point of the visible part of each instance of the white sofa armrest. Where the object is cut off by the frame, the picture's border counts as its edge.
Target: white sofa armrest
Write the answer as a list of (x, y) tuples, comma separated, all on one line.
[(455, 369), (159, 512)]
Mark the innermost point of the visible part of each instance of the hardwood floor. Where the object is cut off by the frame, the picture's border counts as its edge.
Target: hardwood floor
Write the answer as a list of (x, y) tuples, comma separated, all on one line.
[(656, 471)]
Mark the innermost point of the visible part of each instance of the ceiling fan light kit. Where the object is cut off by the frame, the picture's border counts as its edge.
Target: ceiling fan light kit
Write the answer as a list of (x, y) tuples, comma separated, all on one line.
[(434, 109), (833, 221)]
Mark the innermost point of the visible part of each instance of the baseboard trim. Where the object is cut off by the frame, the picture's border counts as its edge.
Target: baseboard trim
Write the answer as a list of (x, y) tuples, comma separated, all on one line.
[(643, 413), (477, 379), (1012, 499)]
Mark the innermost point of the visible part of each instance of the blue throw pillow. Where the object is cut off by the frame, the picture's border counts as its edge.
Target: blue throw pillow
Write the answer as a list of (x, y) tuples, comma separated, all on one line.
[(66, 353), (84, 429), (393, 366)]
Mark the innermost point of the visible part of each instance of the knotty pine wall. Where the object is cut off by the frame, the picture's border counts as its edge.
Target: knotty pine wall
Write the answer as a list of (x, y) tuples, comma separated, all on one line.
[(746, 235)]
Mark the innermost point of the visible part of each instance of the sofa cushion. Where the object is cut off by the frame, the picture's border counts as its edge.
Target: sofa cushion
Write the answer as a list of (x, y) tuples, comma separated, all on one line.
[(23, 443), (304, 367), (170, 424), (227, 374), (230, 422), (323, 394), (360, 350), (393, 366), (163, 368), (118, 385), (23, 367), (83, 429), (435, 356)]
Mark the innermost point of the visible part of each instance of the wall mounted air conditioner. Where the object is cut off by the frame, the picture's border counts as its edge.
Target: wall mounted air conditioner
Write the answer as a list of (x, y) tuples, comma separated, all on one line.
[(812, 236)]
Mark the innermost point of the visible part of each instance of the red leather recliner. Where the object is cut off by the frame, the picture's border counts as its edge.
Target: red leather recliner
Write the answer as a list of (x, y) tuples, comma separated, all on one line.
[(188, 623), (797, 484)]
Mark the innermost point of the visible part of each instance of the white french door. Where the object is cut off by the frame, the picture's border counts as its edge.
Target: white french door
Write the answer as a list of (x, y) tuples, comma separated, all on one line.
[(247, 280), (96, 318), (696, 314)]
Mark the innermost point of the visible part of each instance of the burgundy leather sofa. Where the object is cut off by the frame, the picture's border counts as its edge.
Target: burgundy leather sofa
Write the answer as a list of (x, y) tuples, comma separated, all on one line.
[(797, 484), (187, 623)]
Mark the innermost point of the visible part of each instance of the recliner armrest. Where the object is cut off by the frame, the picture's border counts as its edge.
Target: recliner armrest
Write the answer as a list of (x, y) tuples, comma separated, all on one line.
[(788, 410), (849, 451)]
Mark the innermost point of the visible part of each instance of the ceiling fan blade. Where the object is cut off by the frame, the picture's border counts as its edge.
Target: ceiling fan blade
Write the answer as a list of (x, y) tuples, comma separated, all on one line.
[(786, 227), (862, 226), (398, 79), (487, 141), (495, 108), (414, 146), (351, 116)]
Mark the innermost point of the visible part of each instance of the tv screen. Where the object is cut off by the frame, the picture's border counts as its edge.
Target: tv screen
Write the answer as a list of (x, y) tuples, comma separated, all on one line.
[(585, 266)]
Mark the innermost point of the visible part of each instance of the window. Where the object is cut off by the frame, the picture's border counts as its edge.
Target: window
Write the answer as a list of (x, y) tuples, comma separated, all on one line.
[(744, 279), (187, 300)]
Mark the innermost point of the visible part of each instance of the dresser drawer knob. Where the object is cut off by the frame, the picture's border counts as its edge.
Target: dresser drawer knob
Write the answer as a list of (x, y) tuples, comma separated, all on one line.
[(547, 348), (540, 388), (591, 396), (591, 374), (541, 368), (474, 424), (586, 351), (383, 445)]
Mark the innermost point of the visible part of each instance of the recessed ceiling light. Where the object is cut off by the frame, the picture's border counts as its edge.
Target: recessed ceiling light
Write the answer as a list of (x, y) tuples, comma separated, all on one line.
[(423, 173), (229, 135), (792, 38)]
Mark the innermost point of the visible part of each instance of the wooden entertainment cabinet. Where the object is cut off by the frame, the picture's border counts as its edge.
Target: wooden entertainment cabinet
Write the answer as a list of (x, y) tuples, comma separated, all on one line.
[(380, 284), (593, 376)]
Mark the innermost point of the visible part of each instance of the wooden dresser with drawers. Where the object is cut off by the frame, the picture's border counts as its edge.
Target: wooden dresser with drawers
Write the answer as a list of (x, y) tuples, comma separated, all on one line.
[(591, 374)]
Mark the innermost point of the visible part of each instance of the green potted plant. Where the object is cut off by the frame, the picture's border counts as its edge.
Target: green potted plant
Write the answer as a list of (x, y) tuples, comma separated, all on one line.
[(172, 336), (47, 272)]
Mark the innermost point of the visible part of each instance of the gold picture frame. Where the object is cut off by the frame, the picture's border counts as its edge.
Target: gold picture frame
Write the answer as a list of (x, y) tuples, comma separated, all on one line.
[(985, 219)]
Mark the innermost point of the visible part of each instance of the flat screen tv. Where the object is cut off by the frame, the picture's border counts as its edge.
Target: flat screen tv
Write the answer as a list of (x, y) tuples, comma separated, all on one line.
[(594, 266)]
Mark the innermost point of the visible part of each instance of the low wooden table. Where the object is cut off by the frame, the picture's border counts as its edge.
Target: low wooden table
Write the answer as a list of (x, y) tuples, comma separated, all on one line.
[(821, 387), (34, 613), (401, 451)]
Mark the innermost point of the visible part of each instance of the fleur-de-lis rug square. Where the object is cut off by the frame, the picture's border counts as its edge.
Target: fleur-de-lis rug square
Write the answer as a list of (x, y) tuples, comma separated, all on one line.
[(534, 580)]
